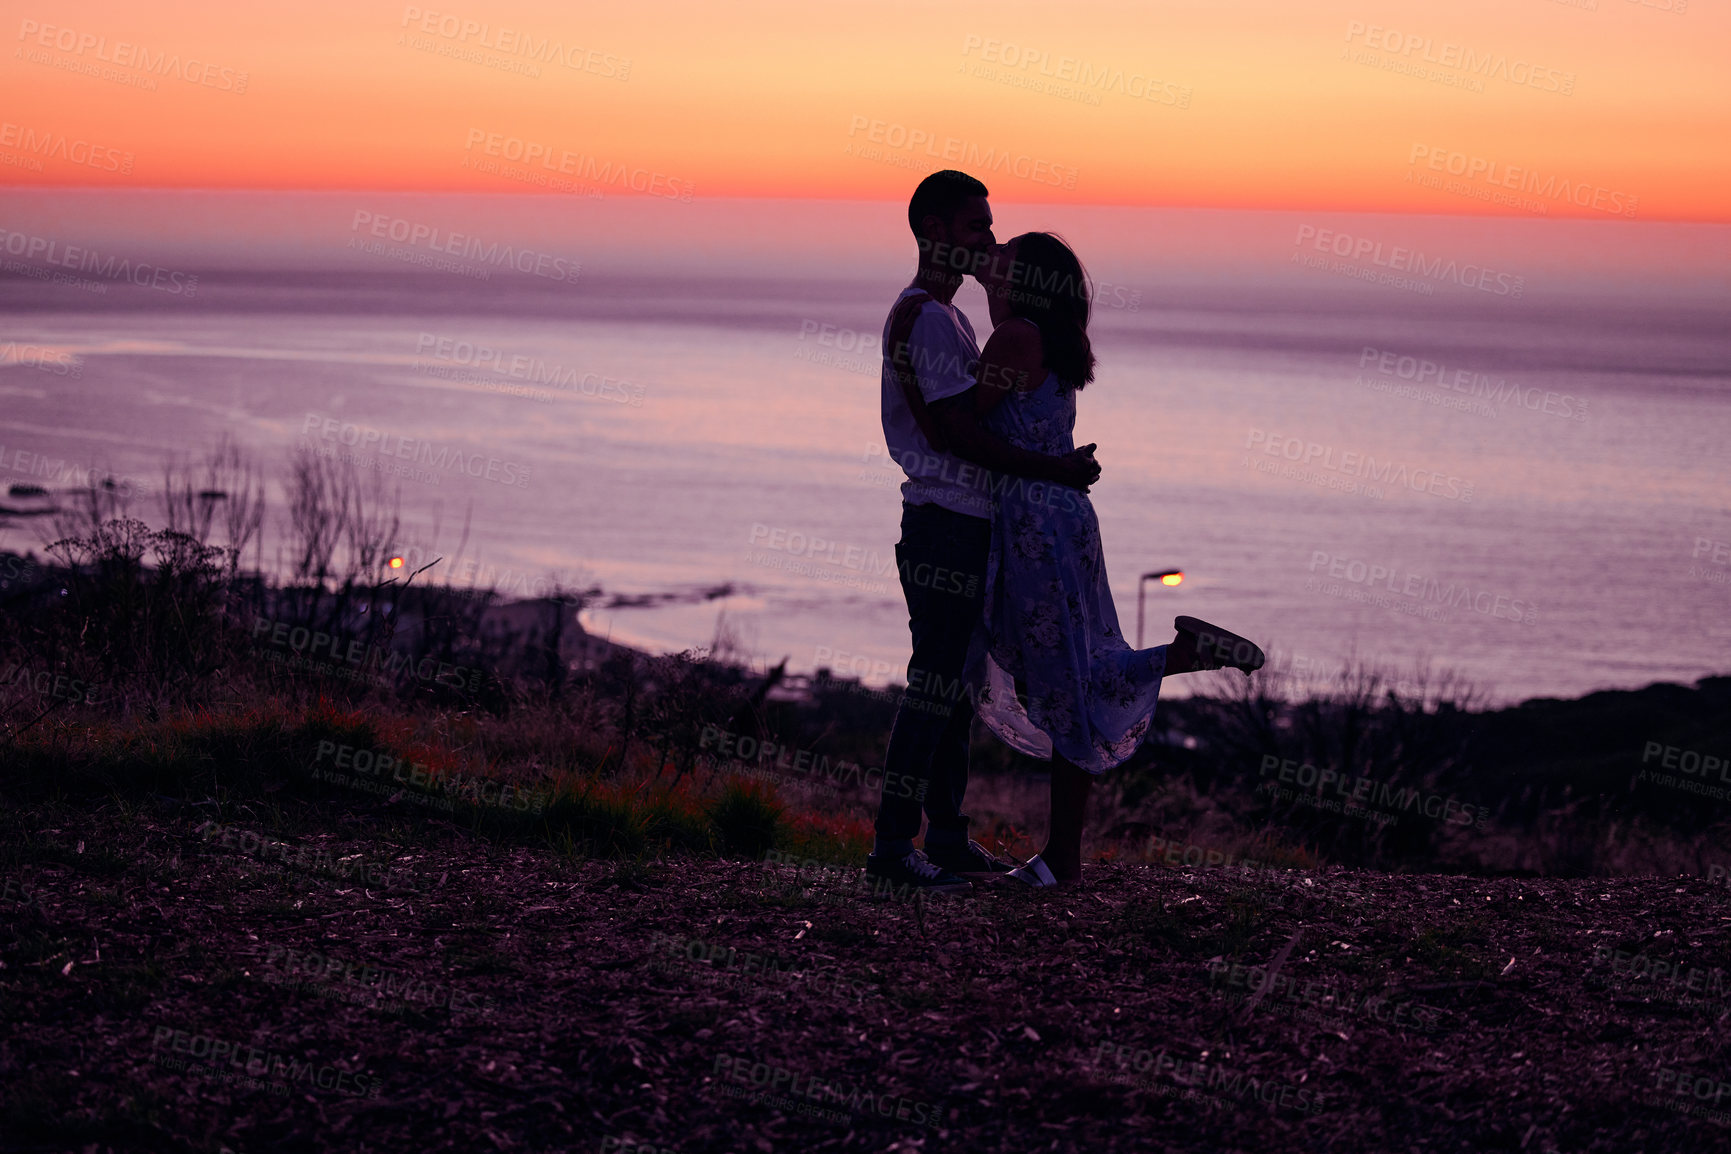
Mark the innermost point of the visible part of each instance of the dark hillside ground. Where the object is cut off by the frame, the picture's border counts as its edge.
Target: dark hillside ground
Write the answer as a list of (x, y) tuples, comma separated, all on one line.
[(363, 862), (590, 1006)]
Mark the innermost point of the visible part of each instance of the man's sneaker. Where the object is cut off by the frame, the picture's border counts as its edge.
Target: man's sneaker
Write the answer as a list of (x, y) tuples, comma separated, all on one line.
[(972, 858), (915, 872)]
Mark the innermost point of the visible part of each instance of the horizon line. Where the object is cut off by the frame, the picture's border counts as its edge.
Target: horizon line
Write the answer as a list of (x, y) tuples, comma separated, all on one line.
[(823, 197)]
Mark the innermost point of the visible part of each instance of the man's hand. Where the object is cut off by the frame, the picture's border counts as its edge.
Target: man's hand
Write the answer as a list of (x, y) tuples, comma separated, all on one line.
[(1078, 470), (971, 441)]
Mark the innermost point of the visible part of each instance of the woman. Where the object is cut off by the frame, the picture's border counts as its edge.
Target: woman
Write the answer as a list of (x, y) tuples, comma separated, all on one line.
[(1053, 674)]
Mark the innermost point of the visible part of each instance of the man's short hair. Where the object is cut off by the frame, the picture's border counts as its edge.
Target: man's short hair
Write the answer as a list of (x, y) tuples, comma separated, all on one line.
[(942, 195)]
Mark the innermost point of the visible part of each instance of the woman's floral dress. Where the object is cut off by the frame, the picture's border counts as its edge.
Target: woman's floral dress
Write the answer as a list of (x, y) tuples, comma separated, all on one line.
[(1049, 666)]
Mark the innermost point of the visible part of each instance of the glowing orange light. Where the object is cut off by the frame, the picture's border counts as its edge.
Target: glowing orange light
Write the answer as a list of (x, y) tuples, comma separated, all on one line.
[(1172, 579), (396, 562)]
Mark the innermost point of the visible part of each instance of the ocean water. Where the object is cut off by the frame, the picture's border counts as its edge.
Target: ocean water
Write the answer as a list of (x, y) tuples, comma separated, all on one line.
[(1507, 459)]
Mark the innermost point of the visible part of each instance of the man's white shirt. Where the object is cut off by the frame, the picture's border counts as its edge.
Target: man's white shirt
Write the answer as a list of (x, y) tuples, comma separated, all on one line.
[(944, 355)]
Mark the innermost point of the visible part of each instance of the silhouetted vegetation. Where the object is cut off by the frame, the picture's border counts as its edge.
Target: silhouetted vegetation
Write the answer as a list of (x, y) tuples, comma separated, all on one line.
[(158, 660)]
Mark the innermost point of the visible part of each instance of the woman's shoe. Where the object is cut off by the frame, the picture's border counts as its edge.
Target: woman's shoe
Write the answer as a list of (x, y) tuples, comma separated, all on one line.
[(1036, 874), (1218, 648)]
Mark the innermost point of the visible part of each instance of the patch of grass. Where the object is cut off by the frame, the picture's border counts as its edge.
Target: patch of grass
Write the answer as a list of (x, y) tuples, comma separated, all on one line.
[(674, 821), (748, 819), (601, 821), (834, 838), (619, 819), (198, 754)]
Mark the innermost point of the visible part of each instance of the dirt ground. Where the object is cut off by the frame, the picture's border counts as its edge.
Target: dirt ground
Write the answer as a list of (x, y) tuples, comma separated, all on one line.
[(170, 984)]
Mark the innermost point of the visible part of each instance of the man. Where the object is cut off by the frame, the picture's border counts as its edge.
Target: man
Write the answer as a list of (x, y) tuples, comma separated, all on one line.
[(930, 427)]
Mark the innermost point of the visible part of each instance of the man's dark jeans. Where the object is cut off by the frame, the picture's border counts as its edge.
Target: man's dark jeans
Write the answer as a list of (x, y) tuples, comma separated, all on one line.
[(942, 560)]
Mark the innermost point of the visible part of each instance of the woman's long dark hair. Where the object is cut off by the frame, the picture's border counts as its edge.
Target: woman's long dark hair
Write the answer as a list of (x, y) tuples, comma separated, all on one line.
[(1052, 290)]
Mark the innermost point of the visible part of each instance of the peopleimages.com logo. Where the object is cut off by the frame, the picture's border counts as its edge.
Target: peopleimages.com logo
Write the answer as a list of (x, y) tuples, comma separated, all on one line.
[(1498, 176), (786, 1083), (308, 859), (1471, 384), (418, 235), (471, 362), (125, 55), (84, 259), (1311, 455), (58, 146), (48, 358), (461, 32), (1481, 66), (211, 1052), (1362, 795), (1420, 589), (1406, 260), (60, 471), (1199, 1081), (1089, 80), (900, 141), (388, 446), (1689, 763), (563, 162)]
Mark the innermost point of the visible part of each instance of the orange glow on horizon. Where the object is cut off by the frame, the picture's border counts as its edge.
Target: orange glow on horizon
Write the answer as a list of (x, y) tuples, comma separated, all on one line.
[(1536, 108)]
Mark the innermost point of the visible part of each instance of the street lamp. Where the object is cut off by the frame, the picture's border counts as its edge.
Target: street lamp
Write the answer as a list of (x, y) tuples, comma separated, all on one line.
[(1165, 577)]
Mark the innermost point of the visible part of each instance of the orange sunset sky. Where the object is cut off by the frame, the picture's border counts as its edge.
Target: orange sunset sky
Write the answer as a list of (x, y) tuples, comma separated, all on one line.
[(1601, 109)]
